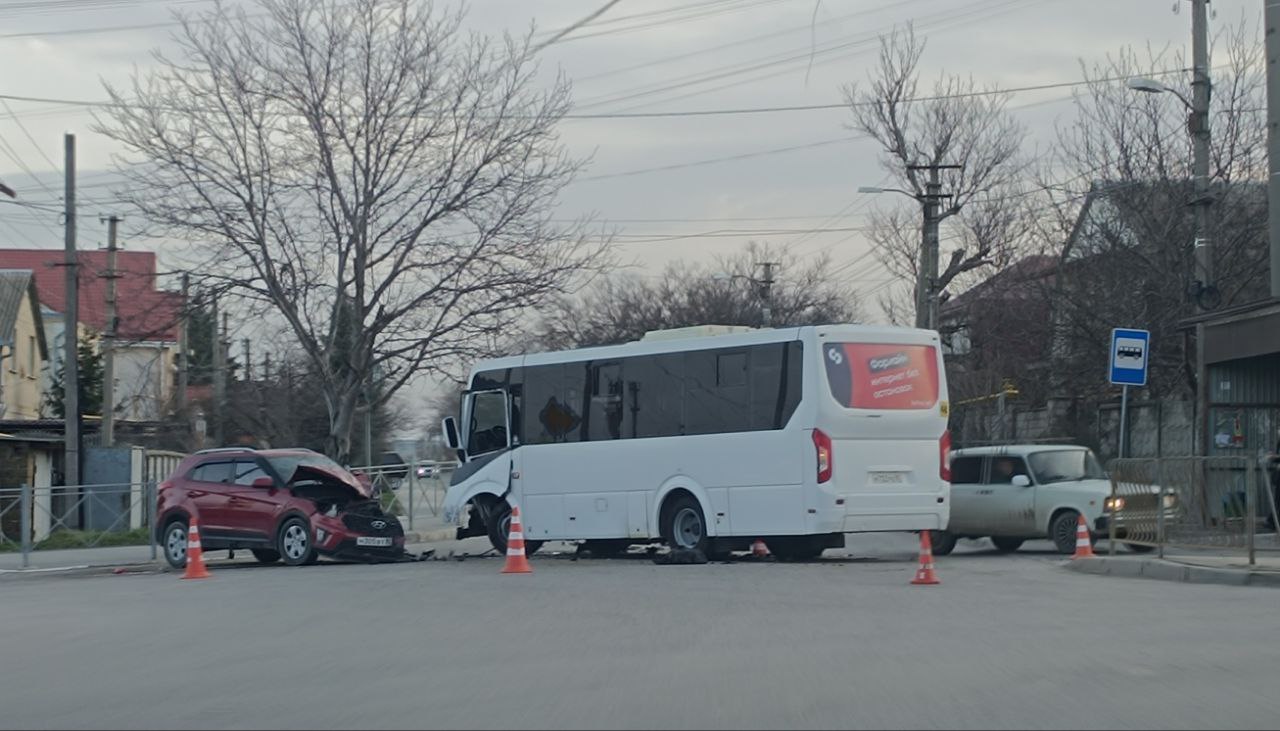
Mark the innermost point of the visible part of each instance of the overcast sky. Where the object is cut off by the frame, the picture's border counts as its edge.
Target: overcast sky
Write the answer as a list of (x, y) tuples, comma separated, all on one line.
[(641, 56)]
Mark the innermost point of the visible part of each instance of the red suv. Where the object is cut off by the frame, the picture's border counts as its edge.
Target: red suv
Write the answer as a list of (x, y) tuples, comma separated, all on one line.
[(290, 504)]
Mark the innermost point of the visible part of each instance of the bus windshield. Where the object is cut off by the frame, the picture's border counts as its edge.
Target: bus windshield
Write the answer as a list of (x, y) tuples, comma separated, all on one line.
[(882, 376)]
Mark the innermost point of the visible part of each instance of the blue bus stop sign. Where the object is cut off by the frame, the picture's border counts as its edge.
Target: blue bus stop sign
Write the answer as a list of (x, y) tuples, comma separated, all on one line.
[(1129, 356)]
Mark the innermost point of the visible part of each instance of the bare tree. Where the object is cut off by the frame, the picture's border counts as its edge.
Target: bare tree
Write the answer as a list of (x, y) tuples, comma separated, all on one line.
[(1122, 209), (958, 122), (364, 170), (624, 306)]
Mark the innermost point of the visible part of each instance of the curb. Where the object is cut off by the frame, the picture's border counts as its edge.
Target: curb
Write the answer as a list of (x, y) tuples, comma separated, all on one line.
[(82, 570), (1162, 570)]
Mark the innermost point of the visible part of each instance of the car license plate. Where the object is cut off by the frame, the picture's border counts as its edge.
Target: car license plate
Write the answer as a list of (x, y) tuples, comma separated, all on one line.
[(888, 478), (372, 541)]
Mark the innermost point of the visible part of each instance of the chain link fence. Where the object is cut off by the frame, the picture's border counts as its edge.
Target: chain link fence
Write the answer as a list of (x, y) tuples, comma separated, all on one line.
[(1193, 502), (414, 491), (76, 516)]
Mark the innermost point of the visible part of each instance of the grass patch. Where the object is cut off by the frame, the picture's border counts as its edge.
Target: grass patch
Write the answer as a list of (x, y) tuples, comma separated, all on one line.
[(64, 539)]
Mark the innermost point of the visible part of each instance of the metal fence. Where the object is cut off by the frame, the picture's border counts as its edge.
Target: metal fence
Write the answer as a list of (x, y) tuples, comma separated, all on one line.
[(32, 517), (411, 490), (1193, 502)]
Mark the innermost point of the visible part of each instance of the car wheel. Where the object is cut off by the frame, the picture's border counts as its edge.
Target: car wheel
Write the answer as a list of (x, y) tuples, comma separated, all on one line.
[(684, 527), (1140, 547), (607, 549), (266, 555), (1063, 531), (499, 527), (941, 542), (1005, 544), (175, 543), (294, 543)]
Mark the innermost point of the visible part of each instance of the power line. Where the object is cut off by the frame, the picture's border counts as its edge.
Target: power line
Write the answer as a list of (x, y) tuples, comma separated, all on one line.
[(786, 59), (746, 41)]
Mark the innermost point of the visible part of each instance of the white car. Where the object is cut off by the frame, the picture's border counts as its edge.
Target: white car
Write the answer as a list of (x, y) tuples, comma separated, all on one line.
[(1017, 493)]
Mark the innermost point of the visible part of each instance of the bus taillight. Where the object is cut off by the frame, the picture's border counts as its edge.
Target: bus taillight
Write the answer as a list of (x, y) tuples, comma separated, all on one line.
[(822, 443), (944, 455)]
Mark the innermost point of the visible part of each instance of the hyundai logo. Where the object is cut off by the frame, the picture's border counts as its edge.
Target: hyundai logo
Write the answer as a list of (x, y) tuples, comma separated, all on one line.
[(379, 524)]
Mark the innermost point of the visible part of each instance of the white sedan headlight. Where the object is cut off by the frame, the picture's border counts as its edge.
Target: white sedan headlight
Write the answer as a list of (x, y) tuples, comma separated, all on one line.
[(1113, 504)]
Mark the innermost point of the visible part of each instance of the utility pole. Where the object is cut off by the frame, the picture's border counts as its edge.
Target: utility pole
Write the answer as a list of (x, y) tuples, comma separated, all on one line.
[(109, 340), (248, 362), (183, 344), (1272, 21), (766, 294), (71, 319), (1198, 126), (219, 377), (927, 271)]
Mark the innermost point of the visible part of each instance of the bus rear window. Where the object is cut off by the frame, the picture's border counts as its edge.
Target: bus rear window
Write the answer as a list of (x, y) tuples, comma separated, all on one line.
[(882, 376)]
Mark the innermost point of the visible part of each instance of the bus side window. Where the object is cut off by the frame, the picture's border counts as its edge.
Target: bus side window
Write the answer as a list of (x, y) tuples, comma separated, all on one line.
[(654, 395), (604, 420), (712, 408)]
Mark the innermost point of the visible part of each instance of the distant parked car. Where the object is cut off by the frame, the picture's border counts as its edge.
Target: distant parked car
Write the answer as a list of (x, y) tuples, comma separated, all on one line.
[(427, 470), (1017, 493), (282, 504)]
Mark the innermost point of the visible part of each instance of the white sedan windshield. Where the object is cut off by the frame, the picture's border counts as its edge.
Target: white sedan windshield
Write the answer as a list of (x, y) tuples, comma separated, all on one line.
[(1065, 465)]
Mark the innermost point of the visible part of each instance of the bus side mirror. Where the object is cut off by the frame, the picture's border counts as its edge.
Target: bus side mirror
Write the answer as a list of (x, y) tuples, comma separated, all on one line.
[(1021, 481), (449, 427)]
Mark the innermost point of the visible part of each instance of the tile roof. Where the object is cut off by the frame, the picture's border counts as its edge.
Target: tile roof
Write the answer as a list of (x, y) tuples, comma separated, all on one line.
[(144, 312)]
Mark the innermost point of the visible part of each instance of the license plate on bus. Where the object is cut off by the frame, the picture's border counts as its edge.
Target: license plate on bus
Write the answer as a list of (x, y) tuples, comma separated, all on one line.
[(888, 478), (372, 541)]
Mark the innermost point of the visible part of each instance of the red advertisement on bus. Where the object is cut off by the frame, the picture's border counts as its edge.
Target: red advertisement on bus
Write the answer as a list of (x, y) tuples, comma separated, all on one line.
[(882, 376)]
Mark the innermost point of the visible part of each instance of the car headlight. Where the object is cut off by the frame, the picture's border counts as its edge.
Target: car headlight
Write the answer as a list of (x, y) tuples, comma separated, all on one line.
[(1170, 501), (1113, 504)]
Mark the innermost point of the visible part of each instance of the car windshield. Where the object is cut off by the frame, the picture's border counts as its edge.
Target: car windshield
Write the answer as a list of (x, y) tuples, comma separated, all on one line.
[(1065, 465), (286, 465)]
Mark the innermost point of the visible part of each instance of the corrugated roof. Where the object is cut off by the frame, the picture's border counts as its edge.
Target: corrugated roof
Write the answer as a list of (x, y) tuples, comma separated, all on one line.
[(14, 285)]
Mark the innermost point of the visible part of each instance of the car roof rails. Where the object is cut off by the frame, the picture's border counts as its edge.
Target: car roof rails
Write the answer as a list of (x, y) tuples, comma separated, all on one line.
[(218, 450)]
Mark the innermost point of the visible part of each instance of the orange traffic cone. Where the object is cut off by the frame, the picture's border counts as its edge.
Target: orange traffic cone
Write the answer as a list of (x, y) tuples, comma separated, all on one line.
[(1084, 546), (925, 574), (195, 556), (516, 561), (759, 549)]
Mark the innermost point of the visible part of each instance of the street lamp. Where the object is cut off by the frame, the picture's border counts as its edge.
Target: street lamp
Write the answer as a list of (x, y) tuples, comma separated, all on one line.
[(927, 271), (765, 285), (1203, 290)]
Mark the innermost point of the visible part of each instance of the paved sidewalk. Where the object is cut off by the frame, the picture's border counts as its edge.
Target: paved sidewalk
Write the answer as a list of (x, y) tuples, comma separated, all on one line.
[(1230, 570)]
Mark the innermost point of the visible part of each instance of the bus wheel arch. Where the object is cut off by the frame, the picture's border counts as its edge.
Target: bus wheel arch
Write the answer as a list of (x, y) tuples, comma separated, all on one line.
[(682, 511)]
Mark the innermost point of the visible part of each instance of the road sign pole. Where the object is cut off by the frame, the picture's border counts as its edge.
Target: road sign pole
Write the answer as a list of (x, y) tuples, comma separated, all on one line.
[(1124, 418)]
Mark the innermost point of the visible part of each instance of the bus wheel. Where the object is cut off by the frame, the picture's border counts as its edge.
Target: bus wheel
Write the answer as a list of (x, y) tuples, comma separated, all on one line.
[(684, 526), (499, 527)]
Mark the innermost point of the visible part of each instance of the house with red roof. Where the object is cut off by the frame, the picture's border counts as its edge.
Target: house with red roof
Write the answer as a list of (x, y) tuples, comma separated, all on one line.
[(148, 320)]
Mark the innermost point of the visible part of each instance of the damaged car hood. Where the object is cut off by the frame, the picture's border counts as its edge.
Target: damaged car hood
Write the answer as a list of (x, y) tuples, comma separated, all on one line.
[(292, 469)]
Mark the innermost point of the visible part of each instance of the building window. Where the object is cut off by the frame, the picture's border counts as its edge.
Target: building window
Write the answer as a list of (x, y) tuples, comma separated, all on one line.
[(31, 355)]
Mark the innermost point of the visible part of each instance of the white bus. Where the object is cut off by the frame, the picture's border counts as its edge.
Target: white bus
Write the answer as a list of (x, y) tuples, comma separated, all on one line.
[(795, 436)]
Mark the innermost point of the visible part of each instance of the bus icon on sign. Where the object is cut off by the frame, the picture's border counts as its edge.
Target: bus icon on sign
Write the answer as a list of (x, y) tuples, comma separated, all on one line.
[(1129, 353), (1129, 357)]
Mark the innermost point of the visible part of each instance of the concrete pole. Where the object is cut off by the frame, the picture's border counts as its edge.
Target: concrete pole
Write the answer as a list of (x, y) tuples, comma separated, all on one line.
[(1198, 125), (766, 295), (219, 366), (1272, 21), (933, 193), (71, 319), (183, 344), (109, 340)]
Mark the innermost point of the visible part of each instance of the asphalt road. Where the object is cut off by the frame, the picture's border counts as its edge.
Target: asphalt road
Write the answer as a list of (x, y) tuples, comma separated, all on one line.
[(1004, 642)]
